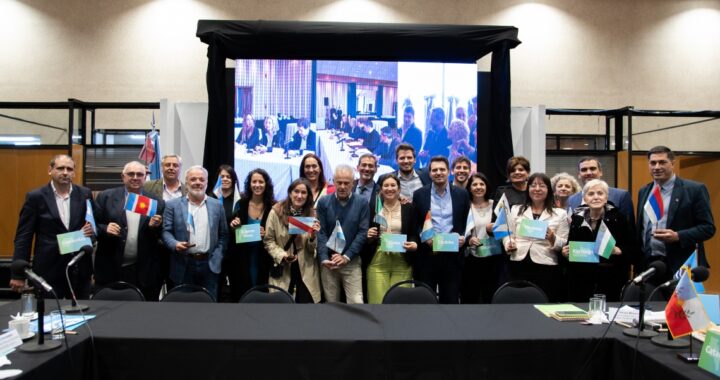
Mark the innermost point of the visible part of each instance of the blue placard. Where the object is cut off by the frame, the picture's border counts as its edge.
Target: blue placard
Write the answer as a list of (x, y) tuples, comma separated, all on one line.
[(392, 243), (583, 252), (247, 233), (446, 242), (531, 228), (488, 247), (72, 241)]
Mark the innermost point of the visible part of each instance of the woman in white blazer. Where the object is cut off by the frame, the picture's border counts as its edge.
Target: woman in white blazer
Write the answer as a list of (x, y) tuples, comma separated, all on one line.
[(536, 259)]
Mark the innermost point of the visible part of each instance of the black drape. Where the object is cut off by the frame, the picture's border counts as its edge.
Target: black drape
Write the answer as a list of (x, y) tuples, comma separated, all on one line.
[(371, 41)]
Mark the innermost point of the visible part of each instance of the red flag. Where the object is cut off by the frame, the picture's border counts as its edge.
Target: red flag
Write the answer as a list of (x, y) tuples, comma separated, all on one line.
[(147, 153)]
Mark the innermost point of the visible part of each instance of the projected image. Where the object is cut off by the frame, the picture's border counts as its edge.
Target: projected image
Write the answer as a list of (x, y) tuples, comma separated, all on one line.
[(340, 110)]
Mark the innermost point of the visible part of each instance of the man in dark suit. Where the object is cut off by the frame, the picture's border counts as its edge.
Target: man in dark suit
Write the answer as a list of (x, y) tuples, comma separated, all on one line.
[(385, 150), (437, 142), (127, 241), (590, 168), (56, 208), (687, 219), (448, 206), (410, 133), (304, 138), (196, 231), (371, 137)]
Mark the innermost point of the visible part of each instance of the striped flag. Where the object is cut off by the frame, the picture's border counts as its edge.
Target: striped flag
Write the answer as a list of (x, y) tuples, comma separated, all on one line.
[(89, 216), (236, 197), (654, 207), (427, 230), (502, 204), (190, 223), (300, 225), (337, 239), (501, 227), (690, 263), (217, 190), (141, 204), (469, 224), (685, 312), (605, 242), (379, 219)]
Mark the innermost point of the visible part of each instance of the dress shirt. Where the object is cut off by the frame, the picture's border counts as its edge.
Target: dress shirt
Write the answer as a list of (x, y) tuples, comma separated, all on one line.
[(202, 226), (365, 191), (63, 205), (441, 209), (130, 252), (410, 183), (169, 194)]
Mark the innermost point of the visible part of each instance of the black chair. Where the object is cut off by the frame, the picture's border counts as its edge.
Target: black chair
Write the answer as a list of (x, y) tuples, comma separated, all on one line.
[(118, 291), (188, 293), (419, 294), (519, 291), (262, 294), (631, 293)]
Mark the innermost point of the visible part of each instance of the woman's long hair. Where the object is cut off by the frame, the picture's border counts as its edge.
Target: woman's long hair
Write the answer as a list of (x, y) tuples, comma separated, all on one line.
[(269, 193), (549, 201), (283, 208), (321, 176)]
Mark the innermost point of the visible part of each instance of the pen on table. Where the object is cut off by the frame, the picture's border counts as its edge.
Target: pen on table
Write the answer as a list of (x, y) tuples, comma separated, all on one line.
[(623, 324)]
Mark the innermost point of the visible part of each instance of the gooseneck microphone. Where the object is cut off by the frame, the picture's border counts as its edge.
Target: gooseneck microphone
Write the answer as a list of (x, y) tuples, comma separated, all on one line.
[(699, 274), (656, 268), (23, 267), (87, 249), (74, 306)]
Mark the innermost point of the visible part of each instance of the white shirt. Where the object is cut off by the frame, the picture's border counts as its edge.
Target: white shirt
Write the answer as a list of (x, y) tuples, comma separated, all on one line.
[(63, 205), (131, 240), (168, 194), (201, 235)]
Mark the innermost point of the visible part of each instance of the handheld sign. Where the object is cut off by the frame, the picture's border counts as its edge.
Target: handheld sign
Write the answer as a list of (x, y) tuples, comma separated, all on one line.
[(488, 247), (392, 243), (247, 233), (72, 241), (530, 228), (446, 242), (583, 252)]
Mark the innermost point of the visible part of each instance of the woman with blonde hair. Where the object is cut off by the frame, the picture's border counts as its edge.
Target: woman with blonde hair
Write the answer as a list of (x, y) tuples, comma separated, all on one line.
[(564, 185)]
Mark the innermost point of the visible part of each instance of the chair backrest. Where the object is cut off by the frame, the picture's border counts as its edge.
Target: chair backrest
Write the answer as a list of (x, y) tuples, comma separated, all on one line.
[(519, 291), (266, 294), (631, 293), (118, 291), (419, 294), (188, 293)]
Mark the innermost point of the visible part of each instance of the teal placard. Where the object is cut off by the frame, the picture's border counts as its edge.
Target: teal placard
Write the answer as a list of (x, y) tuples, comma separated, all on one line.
[(488, 247), (247, 233), (392, 243), (710, 354), (583, 252), (531, 228), (445, 242), (72, 241)]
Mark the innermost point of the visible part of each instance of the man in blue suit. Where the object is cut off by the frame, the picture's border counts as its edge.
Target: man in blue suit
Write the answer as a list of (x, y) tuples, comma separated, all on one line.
[(687, 219), (195, 230), (448, 206), (590, 168)]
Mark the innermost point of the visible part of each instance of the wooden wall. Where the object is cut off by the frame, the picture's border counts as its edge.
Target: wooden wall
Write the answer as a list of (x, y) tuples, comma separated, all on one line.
[(698, 168), (27, 169)]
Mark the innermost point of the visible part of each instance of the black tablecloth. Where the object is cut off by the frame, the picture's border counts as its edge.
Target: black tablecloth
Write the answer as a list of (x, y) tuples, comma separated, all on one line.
[(217, 341)]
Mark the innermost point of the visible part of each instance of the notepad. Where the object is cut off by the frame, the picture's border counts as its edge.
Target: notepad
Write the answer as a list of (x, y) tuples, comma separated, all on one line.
[(551, 309)]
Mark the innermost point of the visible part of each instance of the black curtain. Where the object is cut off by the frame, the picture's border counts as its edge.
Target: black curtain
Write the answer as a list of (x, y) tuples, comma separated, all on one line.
[(372, 41)]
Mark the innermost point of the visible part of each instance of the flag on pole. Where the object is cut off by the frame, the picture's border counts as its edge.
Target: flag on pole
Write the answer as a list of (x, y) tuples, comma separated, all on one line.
[(469, 224), (337, 239), (379, 218), (502, 204), (217, 190), (501, 227), (690, 263), (427, 230), (604, 242), (685, 312), (236, 196), (190, 223), (147, 153), (89, 216), (141, 204), (654, 207)]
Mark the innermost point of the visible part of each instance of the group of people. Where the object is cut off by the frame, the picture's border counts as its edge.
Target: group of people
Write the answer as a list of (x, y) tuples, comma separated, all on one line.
[(332, 242)]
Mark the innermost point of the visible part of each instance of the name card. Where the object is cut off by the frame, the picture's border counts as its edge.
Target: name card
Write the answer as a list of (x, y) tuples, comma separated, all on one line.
[(247, 233), (446, 242), (392, 243), (72, 241), (583, 252), (8, 342), (530, 228), (488, 247), (710, 354)]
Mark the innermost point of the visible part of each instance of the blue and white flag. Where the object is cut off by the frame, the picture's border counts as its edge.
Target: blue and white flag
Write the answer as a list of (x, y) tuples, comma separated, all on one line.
[(89, 216), (501, 228), (469, 224), (690, 263), (217, 190), (337, 239)]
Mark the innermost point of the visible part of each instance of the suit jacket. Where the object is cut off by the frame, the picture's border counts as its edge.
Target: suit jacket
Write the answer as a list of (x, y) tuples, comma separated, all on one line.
[(438, 143), (111, 249), (461, 207), (619, 197), (413, 136), (541, 252), (386, 153), (371, 140), (689, 215), (353, 219), (297, 140), (155, 187), (39, 218), (175, 231)]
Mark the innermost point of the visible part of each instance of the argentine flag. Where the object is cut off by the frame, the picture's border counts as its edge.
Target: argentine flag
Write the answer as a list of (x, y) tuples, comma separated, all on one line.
[(337, 239), (690, 263), (501, 228)]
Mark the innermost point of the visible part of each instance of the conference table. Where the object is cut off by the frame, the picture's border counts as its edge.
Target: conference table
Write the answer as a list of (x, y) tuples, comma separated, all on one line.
[(143, 340)]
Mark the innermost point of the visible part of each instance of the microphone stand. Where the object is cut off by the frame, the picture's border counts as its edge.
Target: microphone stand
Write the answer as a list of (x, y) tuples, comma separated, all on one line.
[(640, 331), (74, 307), (40, 345), (667, 340), (342, 145)]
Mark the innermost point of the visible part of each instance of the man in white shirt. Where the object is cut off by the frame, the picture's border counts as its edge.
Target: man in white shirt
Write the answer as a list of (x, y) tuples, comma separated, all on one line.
[(169, 186)]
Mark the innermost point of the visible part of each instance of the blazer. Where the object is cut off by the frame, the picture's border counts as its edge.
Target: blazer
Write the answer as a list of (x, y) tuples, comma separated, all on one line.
[(264, 263), (541, 252), (619, 197), (297, 140), (689, 215), (276, 236), (175, 230), (408, 227), (413, 136), (460, 204), (155, 187), (110, 249), (39, 218), (371, 140)]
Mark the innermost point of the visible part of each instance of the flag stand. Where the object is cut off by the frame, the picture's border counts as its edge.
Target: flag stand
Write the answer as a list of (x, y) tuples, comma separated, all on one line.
[(668, 341), (689, 357)]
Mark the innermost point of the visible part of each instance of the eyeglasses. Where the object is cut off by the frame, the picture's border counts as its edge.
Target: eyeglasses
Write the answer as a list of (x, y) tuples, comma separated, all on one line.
[(135, 174)]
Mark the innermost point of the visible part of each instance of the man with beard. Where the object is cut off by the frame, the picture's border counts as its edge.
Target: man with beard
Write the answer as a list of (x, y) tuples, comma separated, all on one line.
[(410, 178), (461, 168)]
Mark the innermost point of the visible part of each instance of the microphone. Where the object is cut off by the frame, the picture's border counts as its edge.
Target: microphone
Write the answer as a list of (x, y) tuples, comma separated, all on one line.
[(22, 267), (699, 274), (87, 249), (656, 267)]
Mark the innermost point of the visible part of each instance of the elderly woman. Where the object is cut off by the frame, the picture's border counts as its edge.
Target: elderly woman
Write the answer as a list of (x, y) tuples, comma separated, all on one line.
[(294, 254), (609, 275), (564, 185), (269, 135), (536, 259), (458, 133)]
